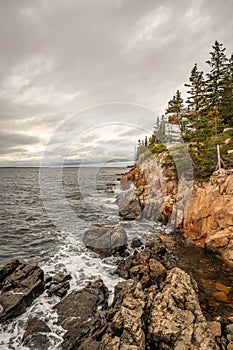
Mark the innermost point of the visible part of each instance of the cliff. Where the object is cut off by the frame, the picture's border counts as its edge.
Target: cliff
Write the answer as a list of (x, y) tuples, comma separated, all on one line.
[(202, 210), (208, 220)]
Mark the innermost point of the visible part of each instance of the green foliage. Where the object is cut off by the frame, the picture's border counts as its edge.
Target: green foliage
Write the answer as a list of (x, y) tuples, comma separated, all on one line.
[(157, 148), (168, 162)]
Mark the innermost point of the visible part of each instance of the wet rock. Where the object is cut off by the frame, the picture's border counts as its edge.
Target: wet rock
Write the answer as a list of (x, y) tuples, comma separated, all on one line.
[(136, 243), (105, 240), (59, 285), (80, 313), (35, 336), (129, 205), (8, 269), (176, 320), (21, 284), (157, 250), (142, 267)]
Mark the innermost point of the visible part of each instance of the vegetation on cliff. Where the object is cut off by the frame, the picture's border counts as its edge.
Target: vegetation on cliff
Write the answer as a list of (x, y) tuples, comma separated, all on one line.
[(204, 121)]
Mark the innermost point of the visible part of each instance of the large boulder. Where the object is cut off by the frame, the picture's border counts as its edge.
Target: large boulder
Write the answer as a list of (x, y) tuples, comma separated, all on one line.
[(129, 205), (20, 284), (105, 240), (80, 313)]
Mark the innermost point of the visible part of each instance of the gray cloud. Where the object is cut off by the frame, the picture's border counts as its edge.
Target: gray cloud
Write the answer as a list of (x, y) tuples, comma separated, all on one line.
[(58, 57)]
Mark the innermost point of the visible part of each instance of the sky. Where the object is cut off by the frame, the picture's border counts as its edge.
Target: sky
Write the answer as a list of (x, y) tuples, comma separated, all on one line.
[(83, 80)]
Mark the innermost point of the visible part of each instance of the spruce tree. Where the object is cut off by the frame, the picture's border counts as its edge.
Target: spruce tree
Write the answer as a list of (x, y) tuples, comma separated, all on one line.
[(215, 78), (226, 107), (175, 105), (196, 100)]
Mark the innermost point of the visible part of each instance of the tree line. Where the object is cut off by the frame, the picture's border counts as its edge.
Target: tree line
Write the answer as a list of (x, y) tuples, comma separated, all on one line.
[(206, 117)]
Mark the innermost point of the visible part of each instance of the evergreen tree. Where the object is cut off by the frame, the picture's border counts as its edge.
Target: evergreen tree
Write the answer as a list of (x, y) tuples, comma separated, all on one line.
[(226, 107), (216, 76), (196, 100), (175, 105)]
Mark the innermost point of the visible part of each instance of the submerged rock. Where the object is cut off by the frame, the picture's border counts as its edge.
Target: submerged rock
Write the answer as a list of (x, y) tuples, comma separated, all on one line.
[(20, 284), (105, 240), (129, 205), (35, 336)]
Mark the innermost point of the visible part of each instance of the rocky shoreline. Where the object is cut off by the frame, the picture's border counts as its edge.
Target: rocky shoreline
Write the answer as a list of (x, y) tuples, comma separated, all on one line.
[(156, 306)]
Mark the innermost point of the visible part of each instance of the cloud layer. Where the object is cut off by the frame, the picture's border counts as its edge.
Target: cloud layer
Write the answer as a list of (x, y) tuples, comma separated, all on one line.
[(59, 57)]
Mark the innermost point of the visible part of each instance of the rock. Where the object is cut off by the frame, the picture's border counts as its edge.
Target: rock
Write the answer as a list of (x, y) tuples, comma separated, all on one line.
[(157, 250), (80, 312), (136, 243), (59, 289), (176, 320), (229, 329), (220, 286), (61, 278), (21, 284), (220, 296), (208, 219), (105, 240), (168, 241), (142, 267), (59, 285), (125, 331), (129, 205), (35, 337), (215, 328), (7, 270), (139, 319)]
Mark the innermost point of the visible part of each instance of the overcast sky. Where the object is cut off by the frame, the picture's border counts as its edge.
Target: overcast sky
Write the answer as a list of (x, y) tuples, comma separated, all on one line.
[(58, 58)]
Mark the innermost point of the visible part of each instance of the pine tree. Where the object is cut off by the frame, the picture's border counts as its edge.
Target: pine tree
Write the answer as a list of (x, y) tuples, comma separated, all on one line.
[(196, 100), (216, 76), (175, 105), (226, 107)]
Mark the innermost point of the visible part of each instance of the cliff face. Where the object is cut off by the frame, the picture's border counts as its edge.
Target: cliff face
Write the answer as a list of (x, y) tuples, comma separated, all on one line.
[(202, 210), (208, 220)]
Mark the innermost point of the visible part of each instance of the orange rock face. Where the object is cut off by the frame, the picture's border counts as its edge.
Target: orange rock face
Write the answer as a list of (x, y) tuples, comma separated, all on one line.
[(205, 216), (208, 220)]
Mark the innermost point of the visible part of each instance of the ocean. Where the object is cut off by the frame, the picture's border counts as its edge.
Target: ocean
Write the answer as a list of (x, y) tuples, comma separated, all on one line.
[(40, 224)]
